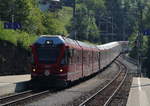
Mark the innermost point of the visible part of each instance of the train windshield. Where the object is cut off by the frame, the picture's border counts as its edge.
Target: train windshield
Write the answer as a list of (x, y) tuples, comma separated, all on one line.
[(47, 55)]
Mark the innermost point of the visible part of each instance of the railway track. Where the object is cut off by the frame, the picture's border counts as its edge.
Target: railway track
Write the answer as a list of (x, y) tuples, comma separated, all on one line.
[(20, 97), (104, 96), (129, 59)]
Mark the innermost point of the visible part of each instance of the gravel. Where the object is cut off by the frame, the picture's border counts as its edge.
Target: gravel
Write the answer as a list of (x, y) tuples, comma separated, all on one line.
[(74, 95)]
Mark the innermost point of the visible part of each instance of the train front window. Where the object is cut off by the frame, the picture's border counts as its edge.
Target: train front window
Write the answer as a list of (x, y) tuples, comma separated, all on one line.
[(48, 55)]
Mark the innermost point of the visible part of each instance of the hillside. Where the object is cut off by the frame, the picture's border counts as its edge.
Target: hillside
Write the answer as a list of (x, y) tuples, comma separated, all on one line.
[(14, 44)]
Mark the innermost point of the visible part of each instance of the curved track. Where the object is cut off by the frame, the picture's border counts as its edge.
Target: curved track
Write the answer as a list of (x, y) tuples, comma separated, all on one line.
[(104, 96)]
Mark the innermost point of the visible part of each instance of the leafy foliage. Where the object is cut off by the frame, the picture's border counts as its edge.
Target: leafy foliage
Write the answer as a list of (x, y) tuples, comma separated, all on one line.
[(17, 36), (24, 12), (133, 45), (84, 25), (93, 21), (55, 23), (147, 61), (32, 19)]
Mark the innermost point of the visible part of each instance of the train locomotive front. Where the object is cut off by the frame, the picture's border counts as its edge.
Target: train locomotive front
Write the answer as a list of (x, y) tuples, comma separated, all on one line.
[(49, 66)]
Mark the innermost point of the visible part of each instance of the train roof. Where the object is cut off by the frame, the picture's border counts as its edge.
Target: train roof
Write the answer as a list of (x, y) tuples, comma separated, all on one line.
[(57, 39), (71, 41), (108, 45), (56, 0)]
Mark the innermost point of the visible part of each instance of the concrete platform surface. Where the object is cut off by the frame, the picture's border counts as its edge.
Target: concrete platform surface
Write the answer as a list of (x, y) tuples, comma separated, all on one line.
[(14, 83), (139, 92), (14, 78)]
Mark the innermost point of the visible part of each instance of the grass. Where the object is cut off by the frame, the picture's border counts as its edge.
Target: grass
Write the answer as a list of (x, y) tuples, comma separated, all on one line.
[(15, 36), (20, 37)]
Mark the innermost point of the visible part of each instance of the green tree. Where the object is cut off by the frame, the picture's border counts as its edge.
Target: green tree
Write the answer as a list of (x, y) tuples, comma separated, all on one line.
[(84, 24), (53, 25), (94, 33), (80, 22), (133, 45), (24, 12), (147, 61)]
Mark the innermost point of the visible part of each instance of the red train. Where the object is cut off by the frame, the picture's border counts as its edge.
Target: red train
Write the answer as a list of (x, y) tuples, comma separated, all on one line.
[(58, 60)]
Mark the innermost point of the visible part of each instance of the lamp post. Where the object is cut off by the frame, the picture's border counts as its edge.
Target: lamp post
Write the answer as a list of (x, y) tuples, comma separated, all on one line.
[(74, 8), (108, 21), (12, 21)]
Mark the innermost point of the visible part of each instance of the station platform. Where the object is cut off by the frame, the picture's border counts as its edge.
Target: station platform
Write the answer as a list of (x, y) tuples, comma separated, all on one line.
[(13, 83), (4, 80), (139, 92)]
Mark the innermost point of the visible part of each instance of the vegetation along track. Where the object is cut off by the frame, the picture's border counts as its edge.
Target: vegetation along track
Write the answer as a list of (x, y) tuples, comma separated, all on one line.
[(21, 97), (104, 96)]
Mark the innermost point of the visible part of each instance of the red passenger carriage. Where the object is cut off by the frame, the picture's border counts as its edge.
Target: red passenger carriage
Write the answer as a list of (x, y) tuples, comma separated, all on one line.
[(58, 60)]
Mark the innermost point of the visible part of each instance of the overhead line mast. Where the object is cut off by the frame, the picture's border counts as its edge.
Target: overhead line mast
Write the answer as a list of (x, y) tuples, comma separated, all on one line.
[(140, 36)]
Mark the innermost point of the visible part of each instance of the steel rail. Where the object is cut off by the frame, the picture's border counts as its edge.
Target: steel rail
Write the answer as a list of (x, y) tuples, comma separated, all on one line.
[(111, 97), (82, 104), (129, 59), (14, 95), (24, 98)]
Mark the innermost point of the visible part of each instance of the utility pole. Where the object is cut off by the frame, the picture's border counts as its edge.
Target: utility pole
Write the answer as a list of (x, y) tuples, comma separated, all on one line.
[(12, 15), (74, 18), (123, 29), (123, 18), (112, 26), (74, 8), (140, 37), (12, 20), (109, 30)]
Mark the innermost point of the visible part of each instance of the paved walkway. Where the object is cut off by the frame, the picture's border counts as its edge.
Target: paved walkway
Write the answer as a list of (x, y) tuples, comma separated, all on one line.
[(139, 92), (4, 80)]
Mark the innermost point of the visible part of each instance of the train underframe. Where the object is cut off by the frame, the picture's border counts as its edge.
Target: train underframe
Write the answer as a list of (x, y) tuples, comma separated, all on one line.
[(51, 81)]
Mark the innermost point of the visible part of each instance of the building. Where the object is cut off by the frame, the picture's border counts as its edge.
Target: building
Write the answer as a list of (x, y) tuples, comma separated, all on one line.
[(46, 5)]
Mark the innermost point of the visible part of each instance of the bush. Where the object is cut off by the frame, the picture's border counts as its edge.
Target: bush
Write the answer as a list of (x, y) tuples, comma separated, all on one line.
[(15, 36)]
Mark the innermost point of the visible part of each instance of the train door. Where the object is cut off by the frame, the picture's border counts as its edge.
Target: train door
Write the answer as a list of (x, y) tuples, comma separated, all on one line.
[(82, 64), (92, 61), (78, 70), (85, 62), (99, 60)]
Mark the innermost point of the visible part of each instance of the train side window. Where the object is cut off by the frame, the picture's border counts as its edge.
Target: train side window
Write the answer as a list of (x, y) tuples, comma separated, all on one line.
[(90, 58), (66, 58), (32, 59), (78, 56), (71, 56), (85, 59), (75, 57), (79, 59), (71, 52)]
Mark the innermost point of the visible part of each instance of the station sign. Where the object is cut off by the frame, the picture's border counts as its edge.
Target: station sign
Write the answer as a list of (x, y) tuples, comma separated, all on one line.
[(146, 32), (10, 25)]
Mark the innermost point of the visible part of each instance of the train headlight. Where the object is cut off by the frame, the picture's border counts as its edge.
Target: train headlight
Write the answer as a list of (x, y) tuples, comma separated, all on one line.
[(61, 70), (33, 70), (46, 73)]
